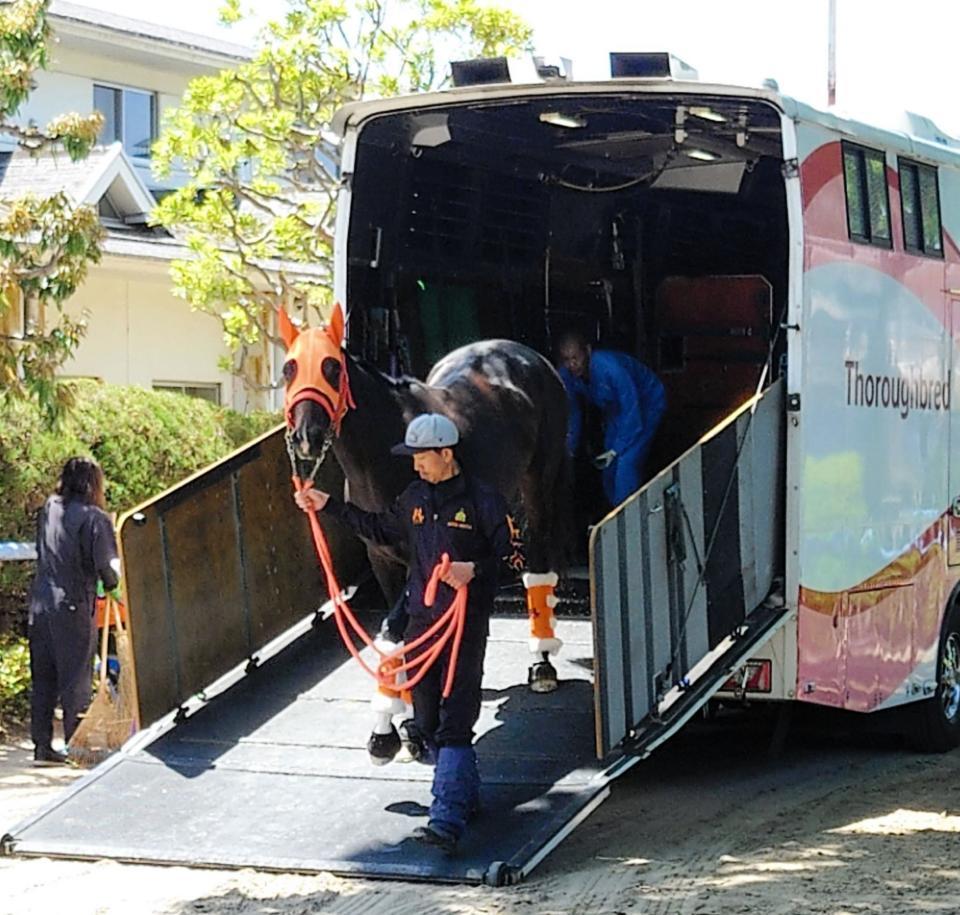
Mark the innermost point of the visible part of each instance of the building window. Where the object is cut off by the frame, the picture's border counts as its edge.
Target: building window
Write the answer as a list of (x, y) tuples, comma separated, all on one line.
[(920, 205), (868, 205), (129, 116), (209, 392)]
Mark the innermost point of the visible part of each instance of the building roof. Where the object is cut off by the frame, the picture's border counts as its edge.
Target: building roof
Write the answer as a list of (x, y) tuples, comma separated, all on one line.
[(72, 20), (106, 171)]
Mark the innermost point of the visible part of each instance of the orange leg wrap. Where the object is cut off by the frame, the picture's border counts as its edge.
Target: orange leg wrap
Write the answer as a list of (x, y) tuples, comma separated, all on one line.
[(541, 601)]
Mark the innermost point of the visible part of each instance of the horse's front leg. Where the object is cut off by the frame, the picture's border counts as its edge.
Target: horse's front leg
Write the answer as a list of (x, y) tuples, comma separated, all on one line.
[(541, 601), (540, 584)]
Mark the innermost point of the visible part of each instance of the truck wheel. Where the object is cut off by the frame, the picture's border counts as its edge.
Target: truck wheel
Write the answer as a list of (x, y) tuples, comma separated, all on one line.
[(939, 717)]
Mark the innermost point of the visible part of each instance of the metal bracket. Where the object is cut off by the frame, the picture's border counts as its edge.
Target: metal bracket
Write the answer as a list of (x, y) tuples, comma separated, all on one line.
[(793, 403), (673, 516), (790, 168)]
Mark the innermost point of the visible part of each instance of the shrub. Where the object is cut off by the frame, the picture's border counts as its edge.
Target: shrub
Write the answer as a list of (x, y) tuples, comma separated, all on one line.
[(145, 440), (14, 680)]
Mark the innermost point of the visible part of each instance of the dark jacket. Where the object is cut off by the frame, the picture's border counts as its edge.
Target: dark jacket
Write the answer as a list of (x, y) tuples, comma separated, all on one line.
[(461, 517), (75, 545)]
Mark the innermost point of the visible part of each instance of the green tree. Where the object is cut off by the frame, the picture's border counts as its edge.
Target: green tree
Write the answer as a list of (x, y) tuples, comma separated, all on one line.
[(46, 243), (261, 158)]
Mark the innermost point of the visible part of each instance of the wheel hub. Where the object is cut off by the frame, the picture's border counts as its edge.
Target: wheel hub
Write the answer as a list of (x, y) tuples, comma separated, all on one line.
[(950, 677)]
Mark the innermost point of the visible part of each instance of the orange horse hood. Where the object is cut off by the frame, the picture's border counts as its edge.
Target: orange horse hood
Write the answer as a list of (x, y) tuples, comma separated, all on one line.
[(315, 367)]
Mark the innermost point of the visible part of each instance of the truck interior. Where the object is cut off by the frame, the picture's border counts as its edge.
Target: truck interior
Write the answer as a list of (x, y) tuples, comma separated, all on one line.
[(652, 223)]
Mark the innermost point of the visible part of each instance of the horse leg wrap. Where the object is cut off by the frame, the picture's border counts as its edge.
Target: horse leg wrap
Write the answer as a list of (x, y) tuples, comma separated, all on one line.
[(389, 670), (541, 600), (384, 742)]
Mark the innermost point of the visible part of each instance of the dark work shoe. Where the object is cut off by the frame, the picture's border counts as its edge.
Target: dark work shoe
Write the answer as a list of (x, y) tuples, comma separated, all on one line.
[(426, 835), (47, 756), (413, 743)]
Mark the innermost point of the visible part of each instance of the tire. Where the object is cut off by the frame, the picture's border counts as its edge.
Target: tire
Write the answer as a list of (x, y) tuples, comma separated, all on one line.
[(938, 718)]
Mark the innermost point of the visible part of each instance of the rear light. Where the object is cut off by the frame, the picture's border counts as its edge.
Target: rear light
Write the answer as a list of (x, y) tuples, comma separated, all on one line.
[(753, 677)]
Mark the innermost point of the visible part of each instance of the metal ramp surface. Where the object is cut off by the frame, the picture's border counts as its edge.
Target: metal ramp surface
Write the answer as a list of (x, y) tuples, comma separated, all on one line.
[(273, 774)]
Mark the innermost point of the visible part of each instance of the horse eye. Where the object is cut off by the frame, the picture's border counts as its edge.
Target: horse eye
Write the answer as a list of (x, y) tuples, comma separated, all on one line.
[(289, 370), (331, 372)]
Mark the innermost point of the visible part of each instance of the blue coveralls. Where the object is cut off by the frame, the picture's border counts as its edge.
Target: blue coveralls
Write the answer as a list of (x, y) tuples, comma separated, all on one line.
[(75, 546), (631, 401), (467, 520)]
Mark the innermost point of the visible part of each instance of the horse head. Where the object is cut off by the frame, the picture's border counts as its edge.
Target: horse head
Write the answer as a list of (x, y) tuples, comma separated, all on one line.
[(317, 386)]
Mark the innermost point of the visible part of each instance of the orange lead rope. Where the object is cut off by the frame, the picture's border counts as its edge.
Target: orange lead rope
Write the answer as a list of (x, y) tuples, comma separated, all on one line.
[(449, 625)]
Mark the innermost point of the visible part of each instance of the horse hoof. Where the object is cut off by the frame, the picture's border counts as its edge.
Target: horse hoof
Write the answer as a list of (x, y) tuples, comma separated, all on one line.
[(383, 747), (542, 677)]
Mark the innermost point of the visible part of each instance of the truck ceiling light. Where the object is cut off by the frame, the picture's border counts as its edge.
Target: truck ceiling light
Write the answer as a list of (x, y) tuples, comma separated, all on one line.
[(559, 119), (703, 155), (705, 113)]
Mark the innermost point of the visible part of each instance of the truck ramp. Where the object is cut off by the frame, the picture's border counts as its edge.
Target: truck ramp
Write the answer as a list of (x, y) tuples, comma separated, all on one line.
[(273, 773)]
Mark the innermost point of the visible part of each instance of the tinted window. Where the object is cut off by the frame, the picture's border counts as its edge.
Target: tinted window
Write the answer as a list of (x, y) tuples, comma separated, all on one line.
[(920, 206), (868, 206)]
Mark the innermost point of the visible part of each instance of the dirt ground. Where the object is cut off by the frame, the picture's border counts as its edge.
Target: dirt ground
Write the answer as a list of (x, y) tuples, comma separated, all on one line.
[(844, 819)]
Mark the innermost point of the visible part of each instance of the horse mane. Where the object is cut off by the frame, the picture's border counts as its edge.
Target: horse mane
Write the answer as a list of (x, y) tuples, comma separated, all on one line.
[(404, 388)]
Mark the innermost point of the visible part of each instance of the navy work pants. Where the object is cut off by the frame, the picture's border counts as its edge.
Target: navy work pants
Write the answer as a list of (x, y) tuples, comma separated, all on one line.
[(449, 722), (62, 643)]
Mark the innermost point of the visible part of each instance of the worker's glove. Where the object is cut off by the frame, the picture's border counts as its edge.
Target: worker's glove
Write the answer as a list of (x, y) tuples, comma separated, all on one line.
[(116, 593), (604, 460)]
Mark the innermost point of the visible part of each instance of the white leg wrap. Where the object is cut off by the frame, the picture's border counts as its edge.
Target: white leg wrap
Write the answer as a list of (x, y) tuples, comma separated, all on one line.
[(550, 646), (387, 705), (383, 723), (538, 579)]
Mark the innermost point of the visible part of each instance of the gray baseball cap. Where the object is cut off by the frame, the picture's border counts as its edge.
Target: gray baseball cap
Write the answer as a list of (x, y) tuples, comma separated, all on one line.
[(427, 431)]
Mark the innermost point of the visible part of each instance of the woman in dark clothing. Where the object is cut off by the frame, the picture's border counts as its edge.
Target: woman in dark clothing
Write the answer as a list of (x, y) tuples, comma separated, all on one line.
[(75, 546)]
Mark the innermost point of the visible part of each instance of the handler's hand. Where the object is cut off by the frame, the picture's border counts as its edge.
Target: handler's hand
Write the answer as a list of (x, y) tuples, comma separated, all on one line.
[(311, 500), (603, 461), (459, 574)]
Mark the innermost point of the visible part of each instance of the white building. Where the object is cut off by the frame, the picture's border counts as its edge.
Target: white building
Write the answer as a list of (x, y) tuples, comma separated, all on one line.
[(138, 332)]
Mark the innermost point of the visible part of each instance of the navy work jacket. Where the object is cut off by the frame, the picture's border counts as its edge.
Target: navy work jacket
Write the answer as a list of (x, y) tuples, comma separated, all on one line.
[(75, 546), (462, 517)]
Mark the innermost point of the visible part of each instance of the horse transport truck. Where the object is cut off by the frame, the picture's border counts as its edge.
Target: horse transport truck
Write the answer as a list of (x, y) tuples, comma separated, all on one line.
[(793, 278)]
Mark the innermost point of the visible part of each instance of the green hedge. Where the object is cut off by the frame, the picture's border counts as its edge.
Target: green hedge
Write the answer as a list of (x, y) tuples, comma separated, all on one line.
[(14, 681), (145, 440)]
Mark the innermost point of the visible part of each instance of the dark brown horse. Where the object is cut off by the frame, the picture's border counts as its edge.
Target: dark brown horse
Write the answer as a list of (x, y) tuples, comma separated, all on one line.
[(510, 407)]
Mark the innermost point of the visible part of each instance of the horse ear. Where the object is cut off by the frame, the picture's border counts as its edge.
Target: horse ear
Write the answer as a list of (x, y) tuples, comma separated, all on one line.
[(285, 326), (335, 328)]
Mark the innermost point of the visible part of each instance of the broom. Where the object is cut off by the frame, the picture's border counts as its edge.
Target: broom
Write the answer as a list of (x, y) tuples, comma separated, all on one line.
[(111, 717)]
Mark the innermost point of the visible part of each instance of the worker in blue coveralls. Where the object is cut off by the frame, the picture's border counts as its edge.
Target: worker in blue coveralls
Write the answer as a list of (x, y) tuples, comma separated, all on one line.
[(631, 402), (445, 511)]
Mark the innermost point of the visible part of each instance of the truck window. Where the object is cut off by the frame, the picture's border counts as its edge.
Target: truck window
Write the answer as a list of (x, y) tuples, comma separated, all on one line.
[(920, 205), (868, 205)]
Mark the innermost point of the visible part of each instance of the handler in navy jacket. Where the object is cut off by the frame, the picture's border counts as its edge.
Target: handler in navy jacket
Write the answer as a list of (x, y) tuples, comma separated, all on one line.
[(444, 512), (75, 546)]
